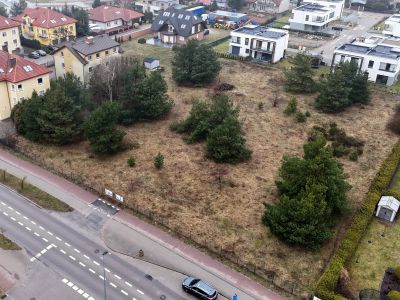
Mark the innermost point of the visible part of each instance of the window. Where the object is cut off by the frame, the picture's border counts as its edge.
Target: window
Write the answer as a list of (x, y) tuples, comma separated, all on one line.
[(370, 64), (115, 22), (97, 55), (20, 87), (307, 17), (70, 28), (89, 57), (14, 32), (15, 42), (387, 67), (63, 65), (246, 41), (331, 15), (181, 38), (108, 24), (198, 27), (40, 81), (13, 87), (170, 28), (342, 58), (62, 54), (90, 69), (114, 50), (247, 50), (236, 39), (4, 33), (183, 26), (106, 52)]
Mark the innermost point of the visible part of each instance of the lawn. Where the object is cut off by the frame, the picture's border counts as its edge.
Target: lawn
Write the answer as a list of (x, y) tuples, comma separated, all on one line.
[(7, 244), (186, 194), (223, 47), (38, 196)]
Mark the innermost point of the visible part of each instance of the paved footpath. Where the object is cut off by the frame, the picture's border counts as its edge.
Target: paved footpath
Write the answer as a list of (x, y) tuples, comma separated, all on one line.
[(79, 199)]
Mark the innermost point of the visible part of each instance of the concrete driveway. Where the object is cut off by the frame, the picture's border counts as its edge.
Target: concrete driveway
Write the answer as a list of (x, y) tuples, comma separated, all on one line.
[(365, 20)]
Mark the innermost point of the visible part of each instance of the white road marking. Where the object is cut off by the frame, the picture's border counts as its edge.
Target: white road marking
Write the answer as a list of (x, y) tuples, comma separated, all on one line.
[(41, 227), (42, 252), (3, 203), (113, 285), (33, 222), (4, 213), (90, 298), (44, 239), (37, 234), (116, 276), (58, 238), (64, 280), (82, 264), (12, 218), (27, 228), (20, 223), (25, 217), (92, 271), (49, 232), (128, 284), (80, 292), (85, 295), (85, 256), (101, 277), (123, 292), (17, 212), (70, 284), (76, 250), (71, 257), (107, 270), (75, 288), (62, 251), (66, 244), (96, 263), (140, 292), (10, 208)]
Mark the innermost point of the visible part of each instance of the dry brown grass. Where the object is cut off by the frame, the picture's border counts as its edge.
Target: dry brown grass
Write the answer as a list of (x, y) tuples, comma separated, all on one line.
[(186, 194)]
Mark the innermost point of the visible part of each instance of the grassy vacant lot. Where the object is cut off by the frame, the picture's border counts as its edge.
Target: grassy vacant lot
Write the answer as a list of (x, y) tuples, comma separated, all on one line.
[(33, 193), (186, 194), (7, 244)]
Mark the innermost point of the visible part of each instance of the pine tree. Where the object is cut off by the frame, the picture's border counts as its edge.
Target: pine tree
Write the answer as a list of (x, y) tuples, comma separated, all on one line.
[(334, 93), (236, 4), (360, 92), (102, 131), (3, 12), (312, 192), (299, 78), (194, 63), (96, 3), (18, 7), (27, 123), (225, 143)]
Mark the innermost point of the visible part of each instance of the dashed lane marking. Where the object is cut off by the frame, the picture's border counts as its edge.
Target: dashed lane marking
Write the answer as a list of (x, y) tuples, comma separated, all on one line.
[(76, 250), (27, 228), (17, 212), (20, 223), (101, 277), (4, 213), (85, 256), (49, 232), (41, 252), (113, 285), (140, 292), (116, 276), (25, 217), (82, 264), (41, 227), (92, 271), (12, 218), (62, 251), (123, 292), (37, 234), (71, 257), (10, 208), (33, 222), (66, 244), (128, 284), (96, 263), (107, 270), (58, 238), (44, 239)]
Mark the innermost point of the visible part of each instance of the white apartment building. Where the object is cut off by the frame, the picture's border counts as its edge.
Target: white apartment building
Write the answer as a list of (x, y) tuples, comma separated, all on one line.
[(259, 42), (155, 6), (379, 57), (392, 26), (315, 15)]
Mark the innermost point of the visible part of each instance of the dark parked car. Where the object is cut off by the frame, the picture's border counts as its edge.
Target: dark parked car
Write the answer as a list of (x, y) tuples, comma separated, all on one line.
[(34, 55), (199, 289)]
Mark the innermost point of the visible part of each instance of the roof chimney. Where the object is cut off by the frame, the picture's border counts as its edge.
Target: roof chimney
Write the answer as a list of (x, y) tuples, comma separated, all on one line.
[(89, 40), (12, 62)]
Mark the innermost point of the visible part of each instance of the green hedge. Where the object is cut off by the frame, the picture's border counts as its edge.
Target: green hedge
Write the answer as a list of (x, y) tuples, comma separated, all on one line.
[(327, 283), (394, 295), (231, 56)]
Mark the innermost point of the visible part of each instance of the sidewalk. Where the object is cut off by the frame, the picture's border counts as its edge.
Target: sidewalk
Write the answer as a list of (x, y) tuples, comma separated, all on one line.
[(170, 252)]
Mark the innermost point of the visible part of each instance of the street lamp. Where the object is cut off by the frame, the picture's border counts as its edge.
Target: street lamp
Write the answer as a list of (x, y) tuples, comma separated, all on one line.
[(104, 274)]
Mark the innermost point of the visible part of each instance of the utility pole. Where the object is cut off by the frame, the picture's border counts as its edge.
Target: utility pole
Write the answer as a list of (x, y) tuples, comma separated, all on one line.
[(104, 274)]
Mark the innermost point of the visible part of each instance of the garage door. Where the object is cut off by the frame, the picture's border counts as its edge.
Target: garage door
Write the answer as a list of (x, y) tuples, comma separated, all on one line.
[(385, 213), (235, 50)]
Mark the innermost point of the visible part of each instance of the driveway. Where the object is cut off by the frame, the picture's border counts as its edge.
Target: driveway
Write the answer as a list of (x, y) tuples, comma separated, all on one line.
[(365, 20)]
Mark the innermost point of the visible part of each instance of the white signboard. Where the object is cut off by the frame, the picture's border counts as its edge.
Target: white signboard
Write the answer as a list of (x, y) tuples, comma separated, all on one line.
[(108, 193), (119, 198)]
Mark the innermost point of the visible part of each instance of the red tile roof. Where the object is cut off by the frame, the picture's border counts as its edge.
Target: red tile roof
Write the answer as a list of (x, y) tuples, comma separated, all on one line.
[(14, 68), (44, 17), (6, 23), (106, 13)]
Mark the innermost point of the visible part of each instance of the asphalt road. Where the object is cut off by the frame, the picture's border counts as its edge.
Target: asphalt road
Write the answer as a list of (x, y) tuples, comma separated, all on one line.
[(76, 259)]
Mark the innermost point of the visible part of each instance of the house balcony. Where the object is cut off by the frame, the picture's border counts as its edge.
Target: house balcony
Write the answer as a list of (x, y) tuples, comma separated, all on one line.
[(168, 32), (261, 49)]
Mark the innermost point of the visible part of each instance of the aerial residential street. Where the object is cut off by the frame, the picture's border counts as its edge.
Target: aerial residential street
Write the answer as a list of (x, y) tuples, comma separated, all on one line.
[(66, 248)]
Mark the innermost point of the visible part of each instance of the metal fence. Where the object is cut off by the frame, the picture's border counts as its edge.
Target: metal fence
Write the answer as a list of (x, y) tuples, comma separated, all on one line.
[(227, 255)]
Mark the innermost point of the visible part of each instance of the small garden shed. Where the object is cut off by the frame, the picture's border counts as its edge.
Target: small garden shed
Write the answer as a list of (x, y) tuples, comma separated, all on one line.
[(151, 63), (387, 208)]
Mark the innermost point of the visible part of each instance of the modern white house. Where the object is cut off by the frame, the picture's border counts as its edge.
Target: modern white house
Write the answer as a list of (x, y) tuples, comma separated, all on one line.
[(268, 6), (379, 57), (259, 42), (315, 15), (392, 26)]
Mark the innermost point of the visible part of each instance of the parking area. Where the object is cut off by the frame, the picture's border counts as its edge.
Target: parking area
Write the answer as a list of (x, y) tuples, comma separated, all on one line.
[(365, 20)]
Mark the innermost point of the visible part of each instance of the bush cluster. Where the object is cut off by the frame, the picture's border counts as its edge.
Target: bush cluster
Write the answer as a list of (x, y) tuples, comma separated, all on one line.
[(394, 295), (159, 161), (217, 123), (326, 285), (394, 123), (142, 41)]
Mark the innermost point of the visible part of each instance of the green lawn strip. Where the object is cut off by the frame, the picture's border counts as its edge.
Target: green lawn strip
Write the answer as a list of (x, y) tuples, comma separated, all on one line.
[(7, 244), (223, 47), (38, 196)]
